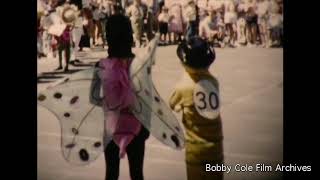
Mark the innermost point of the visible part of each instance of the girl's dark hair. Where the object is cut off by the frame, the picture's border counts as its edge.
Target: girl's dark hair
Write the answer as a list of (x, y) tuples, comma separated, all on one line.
[(119, 36)]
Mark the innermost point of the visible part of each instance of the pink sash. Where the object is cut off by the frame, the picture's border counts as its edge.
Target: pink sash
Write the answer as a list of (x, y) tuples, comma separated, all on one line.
[(118, 96)]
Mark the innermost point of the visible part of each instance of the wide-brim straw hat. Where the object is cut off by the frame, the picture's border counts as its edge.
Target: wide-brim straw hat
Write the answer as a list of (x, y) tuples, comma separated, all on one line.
[(70, 14)]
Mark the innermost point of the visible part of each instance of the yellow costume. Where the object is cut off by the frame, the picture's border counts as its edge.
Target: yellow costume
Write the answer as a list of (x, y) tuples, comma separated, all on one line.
[(203, 136)]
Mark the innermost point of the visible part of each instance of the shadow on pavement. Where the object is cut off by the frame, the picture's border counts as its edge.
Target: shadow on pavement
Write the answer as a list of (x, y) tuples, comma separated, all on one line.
[(49, 77), (42, 82), (71, 71)]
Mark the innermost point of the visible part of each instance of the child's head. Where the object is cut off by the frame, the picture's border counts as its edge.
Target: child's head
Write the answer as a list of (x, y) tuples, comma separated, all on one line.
[(196, 53), (231, 7), (164, 9), (119, 36), (137, 2), (191, 3), (213, 14)]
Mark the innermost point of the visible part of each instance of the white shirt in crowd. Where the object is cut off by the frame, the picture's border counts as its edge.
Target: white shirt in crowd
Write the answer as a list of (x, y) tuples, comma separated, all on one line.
[(207, 26), (163, 17), (190, 13), (135, 12), (275, 20), (230, 15), (96, 14), (215, 4), (262, 8), (273, 7)]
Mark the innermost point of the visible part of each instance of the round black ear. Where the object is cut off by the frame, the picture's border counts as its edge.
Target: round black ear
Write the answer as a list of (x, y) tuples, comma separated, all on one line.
[(212, 53), (183, 51)]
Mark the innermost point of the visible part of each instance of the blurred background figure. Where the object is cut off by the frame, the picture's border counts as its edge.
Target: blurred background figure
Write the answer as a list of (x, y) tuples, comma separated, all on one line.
[(275, 24), (263, 16), (230, 20), (88, 29), (150, 23), (135, 12), (176, 20), (190, 15), (163, 20), (218, 6), (251, 27), (202, 5), (77, 33), (241, 23), (210, 29)]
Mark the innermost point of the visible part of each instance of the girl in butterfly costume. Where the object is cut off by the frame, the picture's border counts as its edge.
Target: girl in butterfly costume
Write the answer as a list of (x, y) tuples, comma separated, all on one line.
[(128, 134), (131, 106), (197, 96)]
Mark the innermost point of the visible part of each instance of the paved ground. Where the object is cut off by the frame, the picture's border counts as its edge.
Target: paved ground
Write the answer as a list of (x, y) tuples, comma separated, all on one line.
[(251, 82)]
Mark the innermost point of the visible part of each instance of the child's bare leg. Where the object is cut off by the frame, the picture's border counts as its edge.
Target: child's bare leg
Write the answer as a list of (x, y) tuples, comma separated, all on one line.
[(67, 53), (261, 34), (254, 34), (165, 37), (265, 35), (60, 49)]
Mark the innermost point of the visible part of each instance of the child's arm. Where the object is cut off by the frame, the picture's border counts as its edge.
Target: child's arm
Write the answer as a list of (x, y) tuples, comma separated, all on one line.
[(175, 101), (95, 88)]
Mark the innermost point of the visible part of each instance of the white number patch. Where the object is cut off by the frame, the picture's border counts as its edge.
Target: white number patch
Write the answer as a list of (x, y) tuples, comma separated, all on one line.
[(206, 99)]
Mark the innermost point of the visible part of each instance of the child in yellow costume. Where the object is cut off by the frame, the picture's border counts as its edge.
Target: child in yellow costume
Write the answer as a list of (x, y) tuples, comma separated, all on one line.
[(197, 96)]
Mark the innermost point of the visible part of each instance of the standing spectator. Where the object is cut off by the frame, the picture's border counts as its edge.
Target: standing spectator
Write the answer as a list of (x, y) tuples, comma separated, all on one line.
[(251, 26), (87, 28), (151, 18), (77, 32), (218, 6), (106, 7), (191, 18), (176, 20), (64, 44), (89, 24), (163, 20), (202, 4), (210, 29), (150, 23), (275, 24), (39, 37), (241, 23), (262, 11), (135, 12), (96, 22), (230, 19)]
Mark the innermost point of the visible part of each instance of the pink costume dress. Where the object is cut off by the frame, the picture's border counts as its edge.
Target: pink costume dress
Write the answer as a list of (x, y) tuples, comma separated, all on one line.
[(118, 97), (175, 25)]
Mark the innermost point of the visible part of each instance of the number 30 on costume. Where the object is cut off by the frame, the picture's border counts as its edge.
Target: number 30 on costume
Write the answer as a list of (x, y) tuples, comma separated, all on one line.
[(206, 99)]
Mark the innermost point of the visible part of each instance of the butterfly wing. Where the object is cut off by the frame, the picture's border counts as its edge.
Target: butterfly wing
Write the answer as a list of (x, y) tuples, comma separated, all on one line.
[(82, 124), (150, 108)]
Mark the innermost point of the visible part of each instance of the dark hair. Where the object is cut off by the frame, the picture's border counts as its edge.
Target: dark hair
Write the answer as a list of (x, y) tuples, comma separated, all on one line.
[(196, 53), (119, 36)]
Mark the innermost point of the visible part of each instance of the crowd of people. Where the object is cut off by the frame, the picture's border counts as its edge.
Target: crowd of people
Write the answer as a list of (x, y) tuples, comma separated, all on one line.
[(223, 23)]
